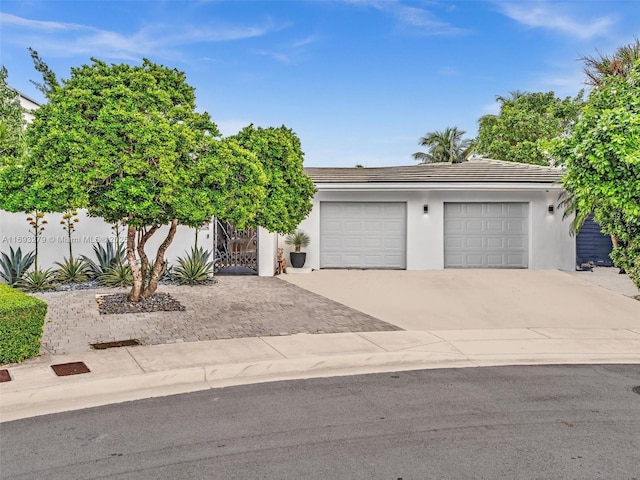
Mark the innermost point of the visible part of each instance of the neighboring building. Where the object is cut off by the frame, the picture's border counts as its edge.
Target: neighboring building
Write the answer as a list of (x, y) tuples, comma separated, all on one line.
[(477, 214), (29, 105)]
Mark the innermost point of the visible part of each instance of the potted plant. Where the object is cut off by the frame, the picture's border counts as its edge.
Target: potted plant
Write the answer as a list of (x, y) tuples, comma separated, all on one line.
[(298, 239)]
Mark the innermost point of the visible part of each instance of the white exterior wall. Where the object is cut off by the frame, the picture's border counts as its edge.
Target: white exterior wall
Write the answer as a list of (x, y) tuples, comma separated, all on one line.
[(54, 246), (550, 244), (267, 252)]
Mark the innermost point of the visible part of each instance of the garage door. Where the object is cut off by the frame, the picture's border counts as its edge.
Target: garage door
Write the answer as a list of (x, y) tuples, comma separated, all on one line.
[(363, 235), (486, 235)]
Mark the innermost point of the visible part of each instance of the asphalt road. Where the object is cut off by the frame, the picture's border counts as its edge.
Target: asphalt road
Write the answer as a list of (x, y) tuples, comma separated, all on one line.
[(543, 422)]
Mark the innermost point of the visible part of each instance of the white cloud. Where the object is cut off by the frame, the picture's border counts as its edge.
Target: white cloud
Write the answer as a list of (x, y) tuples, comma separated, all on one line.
[(8, 19), (412, 19), (542, 14), (156, 40)]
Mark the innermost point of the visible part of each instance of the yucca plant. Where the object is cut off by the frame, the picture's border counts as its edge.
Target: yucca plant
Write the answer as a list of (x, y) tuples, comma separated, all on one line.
[(298, 239), (106, 256), (15, 264), (195, 268), (37, 281), (117, 275), (72, 270)]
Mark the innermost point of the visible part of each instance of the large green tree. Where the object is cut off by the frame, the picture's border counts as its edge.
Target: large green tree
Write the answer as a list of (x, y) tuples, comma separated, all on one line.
[(288, 189), (12, 123), (527, 122), (126, 143), (448, 145), (602, 158)]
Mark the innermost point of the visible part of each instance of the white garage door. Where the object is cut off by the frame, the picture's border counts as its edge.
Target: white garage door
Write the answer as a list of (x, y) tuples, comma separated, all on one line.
[(363, 235), (486, 235)]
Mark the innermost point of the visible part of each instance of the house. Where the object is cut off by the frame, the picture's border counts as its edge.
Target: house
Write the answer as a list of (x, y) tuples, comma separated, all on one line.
[(477, 214)]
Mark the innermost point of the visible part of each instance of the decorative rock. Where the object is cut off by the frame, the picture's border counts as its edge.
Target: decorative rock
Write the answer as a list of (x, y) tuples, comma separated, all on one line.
[(117, 303)]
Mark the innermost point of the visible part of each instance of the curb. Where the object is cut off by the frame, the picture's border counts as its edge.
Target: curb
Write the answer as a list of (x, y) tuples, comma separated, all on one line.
[(92, 392)]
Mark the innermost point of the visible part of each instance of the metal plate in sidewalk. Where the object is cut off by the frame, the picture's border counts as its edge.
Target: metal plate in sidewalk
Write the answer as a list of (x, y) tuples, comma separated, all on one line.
[(117, 343), (73, 368), (5, 376)]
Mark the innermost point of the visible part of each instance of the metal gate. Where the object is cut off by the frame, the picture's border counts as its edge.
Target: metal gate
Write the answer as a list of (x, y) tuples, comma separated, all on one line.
[(236, 251)]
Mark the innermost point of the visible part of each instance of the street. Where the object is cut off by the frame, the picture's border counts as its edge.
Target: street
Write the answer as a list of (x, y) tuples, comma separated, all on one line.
[(525, 422)]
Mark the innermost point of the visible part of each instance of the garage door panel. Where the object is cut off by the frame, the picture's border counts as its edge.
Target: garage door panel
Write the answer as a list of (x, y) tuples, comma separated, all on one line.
[(373, 243), (369, 235), (517, 209), (472, 243), (454, 226), (474, 226), (486, 235), (515, 260), (495, 225), (495, 242), (472, 209), (516, 243), (516, 226)]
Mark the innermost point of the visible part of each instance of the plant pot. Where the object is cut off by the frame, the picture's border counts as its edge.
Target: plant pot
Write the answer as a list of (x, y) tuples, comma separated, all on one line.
[(297, 259)]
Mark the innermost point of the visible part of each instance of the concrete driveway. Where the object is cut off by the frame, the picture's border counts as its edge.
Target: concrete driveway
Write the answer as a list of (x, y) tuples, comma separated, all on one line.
[(475, 299)]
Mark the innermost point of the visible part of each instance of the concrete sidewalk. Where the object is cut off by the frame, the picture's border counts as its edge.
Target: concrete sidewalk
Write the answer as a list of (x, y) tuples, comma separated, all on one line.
[(452, 319), (132, 373)]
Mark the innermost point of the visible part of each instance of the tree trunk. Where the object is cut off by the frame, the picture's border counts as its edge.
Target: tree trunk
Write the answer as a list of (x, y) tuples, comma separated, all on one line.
[(160, 264), (136, 289)]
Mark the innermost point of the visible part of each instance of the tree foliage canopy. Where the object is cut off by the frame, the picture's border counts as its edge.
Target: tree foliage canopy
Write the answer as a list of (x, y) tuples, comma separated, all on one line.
[(288, 189), (12, 124), (602, 158), (126, 143), (526, 123)]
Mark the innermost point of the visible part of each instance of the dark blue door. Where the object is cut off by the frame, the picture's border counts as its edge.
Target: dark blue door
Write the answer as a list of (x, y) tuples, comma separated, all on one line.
[(592, 245)]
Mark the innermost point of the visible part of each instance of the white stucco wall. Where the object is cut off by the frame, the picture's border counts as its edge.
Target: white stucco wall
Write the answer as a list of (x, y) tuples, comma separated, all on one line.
[(267, 252), (550, 244), (54, 246)]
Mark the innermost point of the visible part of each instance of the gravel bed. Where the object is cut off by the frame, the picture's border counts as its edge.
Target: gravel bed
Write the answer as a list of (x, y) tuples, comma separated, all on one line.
[(117, 303)]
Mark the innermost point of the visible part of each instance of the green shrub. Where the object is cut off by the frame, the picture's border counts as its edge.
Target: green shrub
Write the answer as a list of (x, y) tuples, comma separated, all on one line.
[(37, 281), (21, 323), (628, 259)]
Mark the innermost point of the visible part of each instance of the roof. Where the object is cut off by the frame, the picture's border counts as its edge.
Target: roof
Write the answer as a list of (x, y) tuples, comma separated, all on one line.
[(477, 170)]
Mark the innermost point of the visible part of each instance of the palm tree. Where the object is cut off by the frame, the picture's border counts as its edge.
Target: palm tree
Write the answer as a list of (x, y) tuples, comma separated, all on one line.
[(444, 146), (619, 64), (513, 95)]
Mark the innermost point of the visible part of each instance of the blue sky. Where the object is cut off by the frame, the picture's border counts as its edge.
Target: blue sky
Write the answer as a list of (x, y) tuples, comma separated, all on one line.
[(359, 81)]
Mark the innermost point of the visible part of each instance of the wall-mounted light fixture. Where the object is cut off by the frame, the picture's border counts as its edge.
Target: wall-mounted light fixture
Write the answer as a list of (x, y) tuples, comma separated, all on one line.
[(550, 208), (425, 208)]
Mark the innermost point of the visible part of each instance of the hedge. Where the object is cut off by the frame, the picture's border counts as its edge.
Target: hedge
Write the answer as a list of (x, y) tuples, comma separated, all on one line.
[(21, 323)]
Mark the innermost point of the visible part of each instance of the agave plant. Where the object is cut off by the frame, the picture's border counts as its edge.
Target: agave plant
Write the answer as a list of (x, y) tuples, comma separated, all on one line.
[(195, 268), (106, 257), (168, 275), (15, 265), (117, 275), (72, 270), (37, 281)]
